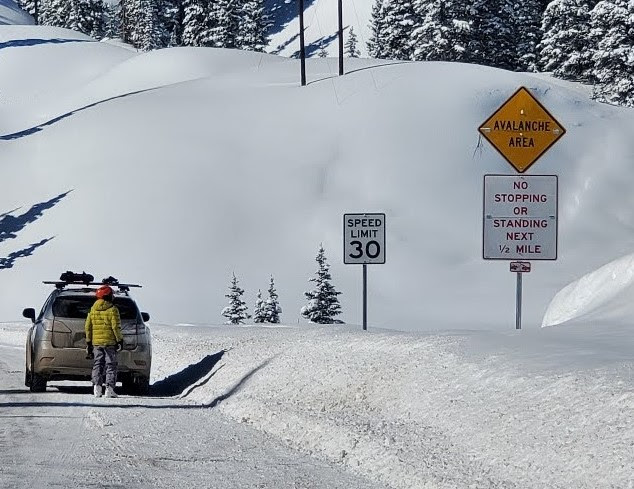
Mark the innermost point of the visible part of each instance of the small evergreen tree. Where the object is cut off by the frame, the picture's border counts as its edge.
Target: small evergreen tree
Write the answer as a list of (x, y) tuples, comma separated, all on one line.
[(236, 311), (351, 45), (323, 304), (272, 306), (259, 314)]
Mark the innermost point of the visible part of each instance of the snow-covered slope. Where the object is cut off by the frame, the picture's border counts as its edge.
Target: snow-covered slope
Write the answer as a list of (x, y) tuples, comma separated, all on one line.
[(10, 13), (320, 26), (187, 165)]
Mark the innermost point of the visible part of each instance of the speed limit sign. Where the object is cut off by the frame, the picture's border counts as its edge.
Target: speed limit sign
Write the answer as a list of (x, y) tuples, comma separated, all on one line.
[(364, 238)]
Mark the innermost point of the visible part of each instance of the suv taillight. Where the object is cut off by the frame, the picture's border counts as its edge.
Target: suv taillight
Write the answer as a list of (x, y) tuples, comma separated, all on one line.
[(47, 324)]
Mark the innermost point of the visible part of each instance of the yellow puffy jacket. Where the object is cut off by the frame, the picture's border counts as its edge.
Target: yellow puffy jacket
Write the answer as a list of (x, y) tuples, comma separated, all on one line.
[(103, 325)]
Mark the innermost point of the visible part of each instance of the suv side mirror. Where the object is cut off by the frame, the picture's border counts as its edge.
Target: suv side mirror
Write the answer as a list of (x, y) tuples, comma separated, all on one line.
[(145, 316), (29, 312)]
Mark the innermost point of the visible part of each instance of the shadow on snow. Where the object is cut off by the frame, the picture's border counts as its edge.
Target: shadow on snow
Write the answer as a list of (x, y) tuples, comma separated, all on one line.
[(20, 43), (172, 383)]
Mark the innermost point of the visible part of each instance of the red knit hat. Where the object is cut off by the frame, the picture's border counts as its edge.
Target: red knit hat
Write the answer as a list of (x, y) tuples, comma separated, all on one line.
[(104, 291)]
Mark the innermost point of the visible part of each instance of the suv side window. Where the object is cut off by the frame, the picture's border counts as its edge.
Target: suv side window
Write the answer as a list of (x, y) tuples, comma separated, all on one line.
[(44, 308)]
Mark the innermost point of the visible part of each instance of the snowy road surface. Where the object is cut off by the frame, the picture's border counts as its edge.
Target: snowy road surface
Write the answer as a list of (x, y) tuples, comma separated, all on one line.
[(68, 439), (333, 407)]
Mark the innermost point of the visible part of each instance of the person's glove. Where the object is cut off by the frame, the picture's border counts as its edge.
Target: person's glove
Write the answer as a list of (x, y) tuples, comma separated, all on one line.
[(89, 351), (119, 345)]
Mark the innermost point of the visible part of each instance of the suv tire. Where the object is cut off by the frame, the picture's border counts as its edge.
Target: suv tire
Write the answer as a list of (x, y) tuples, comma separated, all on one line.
[(38, 383), (136, 386)]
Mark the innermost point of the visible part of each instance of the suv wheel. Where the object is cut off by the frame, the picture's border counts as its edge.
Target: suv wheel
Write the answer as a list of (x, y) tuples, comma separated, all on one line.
[(38, 383), (136, 386)]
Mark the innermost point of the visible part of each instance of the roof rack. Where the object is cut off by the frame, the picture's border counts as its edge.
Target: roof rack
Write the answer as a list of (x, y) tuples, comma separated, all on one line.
[(72, 278)]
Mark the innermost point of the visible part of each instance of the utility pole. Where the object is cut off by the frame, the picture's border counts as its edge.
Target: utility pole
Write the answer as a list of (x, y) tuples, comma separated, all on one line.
[(340, 37), (302, 48)]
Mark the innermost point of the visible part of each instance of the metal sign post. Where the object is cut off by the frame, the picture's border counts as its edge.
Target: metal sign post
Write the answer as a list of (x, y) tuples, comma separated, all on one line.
[(519, 267), (520, 222), (302, 47), (520, 213), (364, 243)]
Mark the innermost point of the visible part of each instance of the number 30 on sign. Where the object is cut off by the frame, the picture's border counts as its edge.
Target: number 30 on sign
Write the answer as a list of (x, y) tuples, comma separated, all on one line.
[(364, 238)]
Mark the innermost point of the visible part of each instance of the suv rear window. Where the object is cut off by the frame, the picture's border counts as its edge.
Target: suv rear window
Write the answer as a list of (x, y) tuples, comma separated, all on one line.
[(78, 307)]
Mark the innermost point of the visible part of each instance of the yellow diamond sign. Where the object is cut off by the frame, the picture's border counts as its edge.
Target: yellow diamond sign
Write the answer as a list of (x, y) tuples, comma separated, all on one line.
[(522, 130)]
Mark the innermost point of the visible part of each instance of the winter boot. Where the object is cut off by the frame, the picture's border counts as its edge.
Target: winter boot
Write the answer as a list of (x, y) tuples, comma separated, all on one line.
[(97, 390), (110, 391)]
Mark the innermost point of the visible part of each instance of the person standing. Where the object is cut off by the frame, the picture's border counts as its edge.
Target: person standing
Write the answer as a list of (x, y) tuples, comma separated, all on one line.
[(104, 340)]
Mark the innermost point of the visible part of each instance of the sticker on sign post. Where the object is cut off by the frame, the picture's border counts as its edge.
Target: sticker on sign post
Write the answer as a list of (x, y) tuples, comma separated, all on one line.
[(520, 217)]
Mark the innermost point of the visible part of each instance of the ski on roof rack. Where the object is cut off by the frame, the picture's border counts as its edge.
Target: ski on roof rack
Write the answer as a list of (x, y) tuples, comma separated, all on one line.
[(72, 278)]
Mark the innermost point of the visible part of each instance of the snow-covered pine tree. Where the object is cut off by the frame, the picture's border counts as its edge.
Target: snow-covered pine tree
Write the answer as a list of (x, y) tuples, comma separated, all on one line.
[(195, 28), (223, 21), (492, 40), (170, 18), (151, 32), (612, 23), (253, 25), (33, 7), (323, 304), (236, 311), (377, 20), (259, 314), (112, 21), (86, 16), (55, 13), (443, 34), (398, 24), (566, 47), (351, 44), (272, 307), (527, 19), (131, 15)]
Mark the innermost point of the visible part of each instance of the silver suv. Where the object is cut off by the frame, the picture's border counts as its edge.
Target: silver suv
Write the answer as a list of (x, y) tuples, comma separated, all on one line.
[(56, 343)]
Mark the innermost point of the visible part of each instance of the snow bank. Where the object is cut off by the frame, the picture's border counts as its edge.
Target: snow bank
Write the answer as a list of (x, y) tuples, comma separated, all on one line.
[(437, 411), (606, 292)]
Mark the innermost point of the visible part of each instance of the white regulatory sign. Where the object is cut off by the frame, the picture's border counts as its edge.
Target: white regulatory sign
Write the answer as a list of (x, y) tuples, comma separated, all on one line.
[(520, 217), (364, 238)]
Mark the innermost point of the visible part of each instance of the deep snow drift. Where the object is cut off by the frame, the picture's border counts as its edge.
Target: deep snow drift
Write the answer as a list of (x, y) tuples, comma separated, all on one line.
[(186, 165)]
